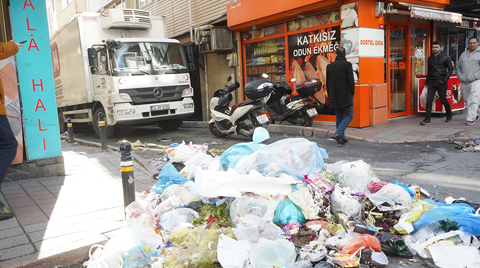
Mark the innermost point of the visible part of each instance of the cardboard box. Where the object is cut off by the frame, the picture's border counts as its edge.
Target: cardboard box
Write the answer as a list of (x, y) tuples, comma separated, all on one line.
[(378, 116), (378, 95)]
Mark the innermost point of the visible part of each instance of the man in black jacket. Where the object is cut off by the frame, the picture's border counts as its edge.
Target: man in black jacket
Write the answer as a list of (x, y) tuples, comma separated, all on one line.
[(439, 70), (340, 89)]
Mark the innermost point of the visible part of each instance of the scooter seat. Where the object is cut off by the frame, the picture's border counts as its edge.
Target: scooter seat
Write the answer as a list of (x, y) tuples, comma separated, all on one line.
[(243, 103)]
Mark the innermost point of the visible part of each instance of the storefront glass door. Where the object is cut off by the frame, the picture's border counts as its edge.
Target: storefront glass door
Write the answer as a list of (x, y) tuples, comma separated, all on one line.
[(397, 69)]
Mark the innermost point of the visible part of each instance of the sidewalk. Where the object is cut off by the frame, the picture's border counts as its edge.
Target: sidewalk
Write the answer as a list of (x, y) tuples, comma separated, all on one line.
[(57, 219), (405, 130)]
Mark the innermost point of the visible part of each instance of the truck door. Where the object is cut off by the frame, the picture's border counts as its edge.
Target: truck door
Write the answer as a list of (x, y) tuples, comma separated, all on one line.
[(101, 79)]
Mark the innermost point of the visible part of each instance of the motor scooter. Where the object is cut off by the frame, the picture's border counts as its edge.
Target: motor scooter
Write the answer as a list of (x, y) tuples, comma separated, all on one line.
[(243, 117), (297, 110)]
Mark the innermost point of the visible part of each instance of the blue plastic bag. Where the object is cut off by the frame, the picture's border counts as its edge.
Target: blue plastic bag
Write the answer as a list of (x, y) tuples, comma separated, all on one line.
[(168, 176), (232, 155), (287, 212), (461, 213)]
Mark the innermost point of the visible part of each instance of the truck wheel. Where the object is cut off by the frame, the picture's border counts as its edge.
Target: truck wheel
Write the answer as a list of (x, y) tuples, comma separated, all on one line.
[(215, 131), (96, 118), (61, 123), (171, 125)]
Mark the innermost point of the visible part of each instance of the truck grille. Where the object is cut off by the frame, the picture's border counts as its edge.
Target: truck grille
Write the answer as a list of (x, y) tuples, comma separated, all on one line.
[(145, 95)]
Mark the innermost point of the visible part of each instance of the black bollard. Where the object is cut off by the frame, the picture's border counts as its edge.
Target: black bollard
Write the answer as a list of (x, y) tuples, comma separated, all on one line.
[(71, 139), (126, 166), (103, 130)]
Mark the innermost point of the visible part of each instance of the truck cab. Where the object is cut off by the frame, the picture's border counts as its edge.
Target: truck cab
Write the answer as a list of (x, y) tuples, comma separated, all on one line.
[(132, 76)]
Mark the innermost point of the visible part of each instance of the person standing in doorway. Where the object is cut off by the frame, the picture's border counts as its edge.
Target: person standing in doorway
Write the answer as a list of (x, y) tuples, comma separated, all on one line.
[(439, 71), (341, 88), (8, 143), (468, 72)]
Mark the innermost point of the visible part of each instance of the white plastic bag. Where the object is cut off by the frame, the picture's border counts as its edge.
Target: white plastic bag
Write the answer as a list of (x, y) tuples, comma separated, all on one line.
[(314, 251), (177, 218), (342, 201), (423, 97), (232, 253), (391, 197), (179, 191), (268, 253), (261, 206), (253, 228), (356, 174)]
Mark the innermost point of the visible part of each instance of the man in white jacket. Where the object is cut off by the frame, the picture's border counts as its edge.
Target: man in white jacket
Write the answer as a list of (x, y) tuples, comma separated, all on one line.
[(468, 71)]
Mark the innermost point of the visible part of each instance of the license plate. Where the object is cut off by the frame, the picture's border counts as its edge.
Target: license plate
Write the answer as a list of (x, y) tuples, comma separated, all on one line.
[(312, 112), (160, 107), (262, 119)]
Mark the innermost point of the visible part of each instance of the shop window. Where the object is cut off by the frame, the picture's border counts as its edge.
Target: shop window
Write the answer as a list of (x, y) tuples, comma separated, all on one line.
[(419, 21), (266, 57)]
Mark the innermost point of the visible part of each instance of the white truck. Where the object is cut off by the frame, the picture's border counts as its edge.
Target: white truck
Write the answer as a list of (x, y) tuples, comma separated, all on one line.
[(117, 62)]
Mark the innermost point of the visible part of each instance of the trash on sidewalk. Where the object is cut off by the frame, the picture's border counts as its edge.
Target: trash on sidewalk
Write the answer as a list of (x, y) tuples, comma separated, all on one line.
[(280, 205)]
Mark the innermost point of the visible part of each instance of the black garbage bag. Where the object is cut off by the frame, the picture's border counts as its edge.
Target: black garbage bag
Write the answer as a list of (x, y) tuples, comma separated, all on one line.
[(389, 250)]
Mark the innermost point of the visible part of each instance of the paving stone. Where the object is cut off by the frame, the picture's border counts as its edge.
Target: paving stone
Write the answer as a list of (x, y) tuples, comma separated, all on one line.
[(14, 241), (36, 227), (10, 232), (17, 251), (45, 234)]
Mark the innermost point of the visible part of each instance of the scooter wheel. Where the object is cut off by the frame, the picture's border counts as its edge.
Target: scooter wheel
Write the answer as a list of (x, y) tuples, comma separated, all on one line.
[(215, 131), (306, 120)]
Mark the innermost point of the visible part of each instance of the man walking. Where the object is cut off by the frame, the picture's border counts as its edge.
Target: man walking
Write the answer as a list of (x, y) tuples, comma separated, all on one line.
[(341, 88), (8, 143), (468, 71), (439, 71)]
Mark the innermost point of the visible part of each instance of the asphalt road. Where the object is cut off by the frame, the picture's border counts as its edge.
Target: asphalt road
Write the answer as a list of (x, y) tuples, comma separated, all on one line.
[(437, 167)]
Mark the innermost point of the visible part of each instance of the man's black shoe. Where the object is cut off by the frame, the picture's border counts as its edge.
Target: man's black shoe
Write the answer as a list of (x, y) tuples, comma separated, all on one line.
[(339, 139), (449, 118), (425, 122), (345, 140), (5, 213), (476, 119)]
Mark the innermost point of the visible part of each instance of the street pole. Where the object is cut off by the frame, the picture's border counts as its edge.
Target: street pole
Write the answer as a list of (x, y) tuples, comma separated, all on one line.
[(70, 130), (103, 131), (126, 166)]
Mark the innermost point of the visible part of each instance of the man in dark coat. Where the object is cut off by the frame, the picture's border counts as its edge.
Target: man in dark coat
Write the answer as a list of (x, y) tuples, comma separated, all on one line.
[(439, 70), (341, 88)]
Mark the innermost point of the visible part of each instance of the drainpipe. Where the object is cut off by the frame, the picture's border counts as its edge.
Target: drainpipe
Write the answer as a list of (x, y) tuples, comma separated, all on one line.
[(206, 85), (190, 17)]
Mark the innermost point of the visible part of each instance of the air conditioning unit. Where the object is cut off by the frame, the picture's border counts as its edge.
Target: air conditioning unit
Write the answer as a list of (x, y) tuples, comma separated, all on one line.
[(216, 39), (126, 19)]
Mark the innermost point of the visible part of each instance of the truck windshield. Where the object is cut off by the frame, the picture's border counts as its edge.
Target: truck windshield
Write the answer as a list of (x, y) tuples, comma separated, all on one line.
[(144, 58)]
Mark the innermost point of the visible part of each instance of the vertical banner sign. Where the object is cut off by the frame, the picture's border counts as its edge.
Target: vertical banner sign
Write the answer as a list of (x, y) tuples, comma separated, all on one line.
[(37, 90)]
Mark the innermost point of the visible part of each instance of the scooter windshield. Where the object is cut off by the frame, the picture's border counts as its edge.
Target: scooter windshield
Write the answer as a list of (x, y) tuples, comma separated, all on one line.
[(149, 58)]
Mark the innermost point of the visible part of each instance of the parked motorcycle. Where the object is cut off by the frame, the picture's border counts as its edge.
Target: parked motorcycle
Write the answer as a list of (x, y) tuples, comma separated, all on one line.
[(297, 110), (243, 117)]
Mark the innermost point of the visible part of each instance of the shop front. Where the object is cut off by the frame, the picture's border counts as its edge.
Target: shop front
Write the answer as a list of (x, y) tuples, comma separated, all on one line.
[(388, 51)]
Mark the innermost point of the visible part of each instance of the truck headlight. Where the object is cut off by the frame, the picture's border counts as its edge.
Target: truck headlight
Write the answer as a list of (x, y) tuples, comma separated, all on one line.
[(125, 96), (187, 91), (188, 106), (126, 112)]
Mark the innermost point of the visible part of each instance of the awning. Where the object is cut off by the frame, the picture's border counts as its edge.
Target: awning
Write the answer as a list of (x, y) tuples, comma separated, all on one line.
[(431, 14)]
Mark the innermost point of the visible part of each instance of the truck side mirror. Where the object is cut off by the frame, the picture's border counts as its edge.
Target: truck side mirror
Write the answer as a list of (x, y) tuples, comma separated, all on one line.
[(190, 59), (92, 60)]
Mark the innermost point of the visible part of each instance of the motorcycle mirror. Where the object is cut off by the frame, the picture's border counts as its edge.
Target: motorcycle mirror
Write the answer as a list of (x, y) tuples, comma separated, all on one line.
[(265, 76), (293, 79), (229, 79)]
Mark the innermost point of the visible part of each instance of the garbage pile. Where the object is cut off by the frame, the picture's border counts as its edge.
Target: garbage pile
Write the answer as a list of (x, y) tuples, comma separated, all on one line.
[(280, 205), (465, 146)]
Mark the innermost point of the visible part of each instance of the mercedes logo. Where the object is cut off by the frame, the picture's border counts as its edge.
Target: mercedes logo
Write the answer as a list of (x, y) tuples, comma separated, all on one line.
[(157, 92)]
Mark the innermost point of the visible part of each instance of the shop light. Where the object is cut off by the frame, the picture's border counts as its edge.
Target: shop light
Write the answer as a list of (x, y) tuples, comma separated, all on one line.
[(302, 15)]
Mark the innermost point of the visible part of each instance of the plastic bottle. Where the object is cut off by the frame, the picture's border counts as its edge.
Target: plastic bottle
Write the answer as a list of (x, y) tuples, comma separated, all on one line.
[(448, 225), (398, 243), (428, 231)]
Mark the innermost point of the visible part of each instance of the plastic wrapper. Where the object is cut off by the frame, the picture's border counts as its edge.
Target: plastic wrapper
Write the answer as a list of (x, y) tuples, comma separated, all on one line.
[(362, 241), (139, 254), (356, 174), (342, 201), (391, 197), (303, 198), (375, 186), (293, 156), (268, 253), (142, 219), (262, 206), (168, 176), (314, 251), (461, 213), (316, 181), (194, 247), (287, 212), (419, 207)]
